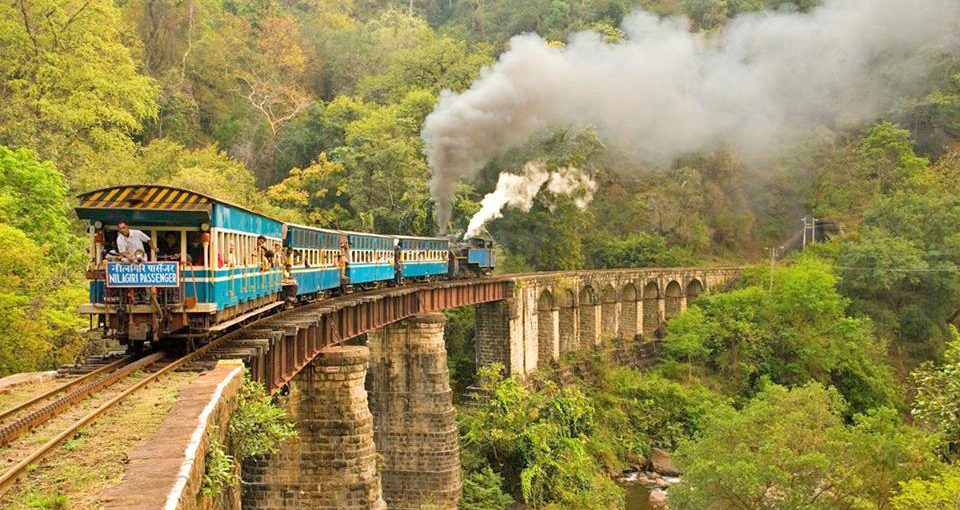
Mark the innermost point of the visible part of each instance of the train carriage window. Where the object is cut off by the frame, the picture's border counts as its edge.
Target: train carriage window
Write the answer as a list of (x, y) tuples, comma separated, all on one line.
[(193, 248)]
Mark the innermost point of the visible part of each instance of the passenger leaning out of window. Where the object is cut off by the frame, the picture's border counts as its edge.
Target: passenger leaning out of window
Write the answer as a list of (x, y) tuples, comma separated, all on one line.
[(130, 243)]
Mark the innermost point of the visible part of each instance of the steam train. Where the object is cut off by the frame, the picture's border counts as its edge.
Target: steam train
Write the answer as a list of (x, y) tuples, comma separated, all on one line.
[(211, 265)]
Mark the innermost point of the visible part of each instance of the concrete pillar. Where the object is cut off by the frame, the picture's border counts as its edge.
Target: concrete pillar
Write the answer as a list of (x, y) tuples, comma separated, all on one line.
[(333, 463), (412, 404)]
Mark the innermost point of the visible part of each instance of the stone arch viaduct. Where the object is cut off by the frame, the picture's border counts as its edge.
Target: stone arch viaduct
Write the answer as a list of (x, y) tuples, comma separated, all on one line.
[(376, 421), (547, 315)]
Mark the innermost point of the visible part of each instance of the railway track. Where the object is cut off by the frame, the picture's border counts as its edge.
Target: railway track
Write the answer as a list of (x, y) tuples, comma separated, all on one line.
[(93, 382), (102, 378)]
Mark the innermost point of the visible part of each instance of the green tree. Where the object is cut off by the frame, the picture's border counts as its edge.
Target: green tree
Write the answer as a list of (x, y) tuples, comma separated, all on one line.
[(706, 14), (937, 493), (791, 449), (537, 442), (795, 334), (634, 250), (71, 87), (39, 286), (438, 63), (937, 400), (482, 490), (904, 270)]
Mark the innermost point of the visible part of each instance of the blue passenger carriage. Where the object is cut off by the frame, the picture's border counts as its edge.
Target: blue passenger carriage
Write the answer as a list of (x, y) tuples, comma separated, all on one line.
[(203, 270), (422, 257), (369, 259), (314, 258)]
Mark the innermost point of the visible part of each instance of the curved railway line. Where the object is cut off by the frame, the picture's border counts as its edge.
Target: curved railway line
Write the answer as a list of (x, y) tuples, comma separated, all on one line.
[(76, 390), (314, 326)]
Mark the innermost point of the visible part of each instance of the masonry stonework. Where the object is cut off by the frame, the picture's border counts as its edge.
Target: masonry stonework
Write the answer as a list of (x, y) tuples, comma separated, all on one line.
[(412, 403), (333, 463), (552, 314)]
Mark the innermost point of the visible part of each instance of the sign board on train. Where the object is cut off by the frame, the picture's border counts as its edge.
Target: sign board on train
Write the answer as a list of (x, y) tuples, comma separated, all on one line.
[(143, 274)]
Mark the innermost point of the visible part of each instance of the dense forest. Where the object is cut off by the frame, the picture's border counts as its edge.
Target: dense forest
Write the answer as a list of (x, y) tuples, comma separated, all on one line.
[(836, 371)]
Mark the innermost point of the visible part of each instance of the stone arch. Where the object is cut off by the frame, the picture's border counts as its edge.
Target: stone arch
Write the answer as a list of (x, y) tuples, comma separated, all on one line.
[(609, 313), (651, 309), (628, 311), (674, 299), (569, 337), (589, 319), (548, 348), (694, 289)]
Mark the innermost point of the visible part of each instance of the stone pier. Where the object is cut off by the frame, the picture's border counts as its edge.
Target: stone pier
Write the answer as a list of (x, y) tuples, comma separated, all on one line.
[(333, 463), (412, 404)]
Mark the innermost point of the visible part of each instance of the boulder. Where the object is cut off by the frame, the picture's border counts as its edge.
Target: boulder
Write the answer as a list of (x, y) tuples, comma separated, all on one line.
[(661, 463), (658, 499)]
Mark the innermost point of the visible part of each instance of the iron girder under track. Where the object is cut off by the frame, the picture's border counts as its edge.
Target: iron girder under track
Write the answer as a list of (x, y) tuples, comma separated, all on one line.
[(292, 339)]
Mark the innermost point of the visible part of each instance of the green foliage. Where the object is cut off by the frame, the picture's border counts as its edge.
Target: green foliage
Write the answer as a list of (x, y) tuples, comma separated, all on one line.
[(257, 426), (39, 289), (937, 400), (904, 267), (459, 336), (483, 490), (219, 470), (706, 14), (791, 449), (72, 89), (938, 493), (552, 446), (32, 199), (795, 334), (55, 502), (634, 250), (538, 442)]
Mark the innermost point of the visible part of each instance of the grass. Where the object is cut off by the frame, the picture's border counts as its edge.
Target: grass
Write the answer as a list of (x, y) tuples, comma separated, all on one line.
[(56, 502), (76, 474)]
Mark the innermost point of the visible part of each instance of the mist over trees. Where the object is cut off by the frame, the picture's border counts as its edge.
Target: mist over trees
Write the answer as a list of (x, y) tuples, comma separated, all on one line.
[(313, 111)]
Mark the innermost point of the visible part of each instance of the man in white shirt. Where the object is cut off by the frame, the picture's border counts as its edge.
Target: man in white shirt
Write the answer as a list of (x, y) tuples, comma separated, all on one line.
[(130, 243)]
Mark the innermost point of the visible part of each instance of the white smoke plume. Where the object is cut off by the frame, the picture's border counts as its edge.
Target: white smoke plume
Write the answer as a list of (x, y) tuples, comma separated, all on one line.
[(664, 92), (519, 191)]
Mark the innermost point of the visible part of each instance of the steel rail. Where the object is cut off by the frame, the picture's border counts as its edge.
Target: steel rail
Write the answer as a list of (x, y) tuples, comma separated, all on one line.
[(69, 384), (36, 418), (11, 475)]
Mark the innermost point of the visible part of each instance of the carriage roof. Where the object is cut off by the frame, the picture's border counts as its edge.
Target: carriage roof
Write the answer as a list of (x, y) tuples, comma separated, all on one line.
[(148, 203), (423, 238)]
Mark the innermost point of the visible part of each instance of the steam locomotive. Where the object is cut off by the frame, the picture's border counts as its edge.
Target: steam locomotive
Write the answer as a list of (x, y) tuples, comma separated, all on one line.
[(212, 265)]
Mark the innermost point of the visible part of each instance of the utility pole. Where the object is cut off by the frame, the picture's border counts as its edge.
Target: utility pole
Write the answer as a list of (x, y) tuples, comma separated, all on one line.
[(773, 261), (804, 220)]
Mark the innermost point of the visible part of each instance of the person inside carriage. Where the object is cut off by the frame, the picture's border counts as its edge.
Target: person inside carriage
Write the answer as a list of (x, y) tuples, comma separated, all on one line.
[(169, 248), (266, 254), (130, 243), (195, 253)]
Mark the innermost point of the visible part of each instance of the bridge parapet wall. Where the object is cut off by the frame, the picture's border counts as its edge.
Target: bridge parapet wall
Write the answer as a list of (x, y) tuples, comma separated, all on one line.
[(165, 471), (547, 315)]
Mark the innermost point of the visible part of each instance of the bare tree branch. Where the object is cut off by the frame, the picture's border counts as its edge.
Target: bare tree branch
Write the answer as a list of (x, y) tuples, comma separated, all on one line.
[(26, 25)]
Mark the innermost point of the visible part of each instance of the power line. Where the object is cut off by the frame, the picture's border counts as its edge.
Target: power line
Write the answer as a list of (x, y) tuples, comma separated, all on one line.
[(896, 270)]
